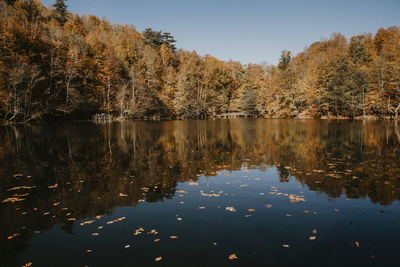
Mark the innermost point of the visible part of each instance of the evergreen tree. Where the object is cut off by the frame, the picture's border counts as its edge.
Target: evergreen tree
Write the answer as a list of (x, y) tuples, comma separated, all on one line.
[(284, 60), (157, 38), (60, 11)]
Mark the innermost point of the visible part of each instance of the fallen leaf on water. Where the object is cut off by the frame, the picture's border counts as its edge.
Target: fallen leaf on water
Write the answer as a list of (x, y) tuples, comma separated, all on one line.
[(268, 205), (71, 219), (312, 237), (214, 244), (158, 258), (27, 264), (12, 236), (179, 219), (20, 195), (95, 234), (156, 240), (181, 202), (357, 244), (285, 246), (21, 187), (87, 222), (251, 210), (314, 231), (173, 237), (127, 246), (100, 227), (200, 208), (53, 186), (288, 215), (231, 209), (89, 251), (247, 215), (116, 220), (232, 257), (122, 195), (13, 199)]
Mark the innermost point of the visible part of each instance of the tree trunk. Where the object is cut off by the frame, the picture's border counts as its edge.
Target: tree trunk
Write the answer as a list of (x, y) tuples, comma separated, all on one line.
[(67, 92), (108, 94), (396, 112)]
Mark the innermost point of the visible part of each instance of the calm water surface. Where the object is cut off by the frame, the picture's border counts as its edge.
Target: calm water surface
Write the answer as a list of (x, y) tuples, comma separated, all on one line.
[(273, 192)]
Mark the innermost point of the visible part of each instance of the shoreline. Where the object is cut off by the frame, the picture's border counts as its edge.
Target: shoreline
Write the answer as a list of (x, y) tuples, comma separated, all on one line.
[(119, 119)]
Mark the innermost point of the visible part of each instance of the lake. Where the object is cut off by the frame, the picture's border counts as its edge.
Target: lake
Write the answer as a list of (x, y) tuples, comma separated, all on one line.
[(244, 192)]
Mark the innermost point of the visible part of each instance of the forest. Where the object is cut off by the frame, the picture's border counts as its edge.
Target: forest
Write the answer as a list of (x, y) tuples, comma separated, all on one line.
[(59, 65)]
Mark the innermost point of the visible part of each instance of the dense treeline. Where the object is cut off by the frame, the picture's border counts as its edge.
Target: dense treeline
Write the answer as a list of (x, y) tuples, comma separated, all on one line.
[(55, 63)]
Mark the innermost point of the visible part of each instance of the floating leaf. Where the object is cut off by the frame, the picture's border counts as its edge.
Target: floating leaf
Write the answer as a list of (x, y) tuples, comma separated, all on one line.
[(13, 199), (12, 236), (231, 209), (232, 257), (173, 237), (156, 240), (87, 222), (357, 244), (312, 237), (268, 205), (158, 258), (314, 231), (127, 246), (285, 245)]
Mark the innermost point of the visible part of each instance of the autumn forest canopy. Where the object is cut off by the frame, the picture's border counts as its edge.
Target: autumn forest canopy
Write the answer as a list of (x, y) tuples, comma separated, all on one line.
[(57, 64)]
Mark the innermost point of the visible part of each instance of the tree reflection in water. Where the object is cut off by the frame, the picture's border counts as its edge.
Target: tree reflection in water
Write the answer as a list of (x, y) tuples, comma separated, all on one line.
[(93, 165)]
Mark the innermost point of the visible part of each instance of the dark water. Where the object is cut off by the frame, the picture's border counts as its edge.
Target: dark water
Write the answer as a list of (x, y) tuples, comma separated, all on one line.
[(337, 183)]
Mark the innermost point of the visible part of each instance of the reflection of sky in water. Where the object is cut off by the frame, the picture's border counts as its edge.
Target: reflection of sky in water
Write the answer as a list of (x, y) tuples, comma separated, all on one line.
[(114, 168)]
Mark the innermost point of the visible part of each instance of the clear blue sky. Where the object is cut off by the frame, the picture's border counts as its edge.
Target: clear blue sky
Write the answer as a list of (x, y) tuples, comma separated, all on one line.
[(246, 30)]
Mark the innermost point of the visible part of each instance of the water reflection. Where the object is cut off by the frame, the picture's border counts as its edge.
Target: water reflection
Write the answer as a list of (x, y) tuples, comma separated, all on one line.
[(95, 168)]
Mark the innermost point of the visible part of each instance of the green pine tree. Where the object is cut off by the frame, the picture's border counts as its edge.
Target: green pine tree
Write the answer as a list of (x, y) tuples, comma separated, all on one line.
[(60, 11)]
